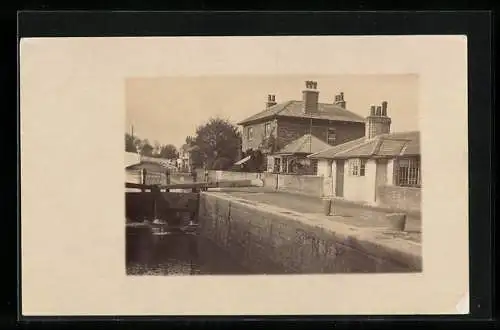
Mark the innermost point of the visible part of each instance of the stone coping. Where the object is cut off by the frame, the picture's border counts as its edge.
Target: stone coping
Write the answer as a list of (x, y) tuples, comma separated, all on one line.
[(376, 242), (378, 208)]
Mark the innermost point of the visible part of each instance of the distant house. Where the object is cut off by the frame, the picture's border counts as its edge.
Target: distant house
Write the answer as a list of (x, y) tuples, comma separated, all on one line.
[(185, 160), (380, 168), (288, 121), (156, 168), (292, 158)]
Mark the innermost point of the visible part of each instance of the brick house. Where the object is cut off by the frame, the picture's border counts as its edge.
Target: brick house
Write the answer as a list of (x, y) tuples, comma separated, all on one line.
[(381, 168), (288, 121)]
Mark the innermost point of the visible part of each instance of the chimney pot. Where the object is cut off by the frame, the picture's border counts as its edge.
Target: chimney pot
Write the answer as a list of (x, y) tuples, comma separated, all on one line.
[(341, 96), (271, 100), (379, 111), (372, 110), (384, 108)]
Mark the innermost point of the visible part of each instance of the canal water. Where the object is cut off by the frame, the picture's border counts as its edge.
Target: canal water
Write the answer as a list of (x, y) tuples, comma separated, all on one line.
[(151, 253)]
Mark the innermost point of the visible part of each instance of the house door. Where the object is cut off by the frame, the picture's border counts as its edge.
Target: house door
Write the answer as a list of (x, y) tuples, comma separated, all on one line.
[(381, 175), (339, 179)]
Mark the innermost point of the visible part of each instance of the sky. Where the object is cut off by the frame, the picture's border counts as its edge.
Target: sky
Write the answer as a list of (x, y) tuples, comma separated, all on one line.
[(167, 109)]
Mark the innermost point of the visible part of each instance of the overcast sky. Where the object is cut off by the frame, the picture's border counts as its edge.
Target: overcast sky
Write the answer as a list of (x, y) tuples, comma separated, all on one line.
[(167, 109)]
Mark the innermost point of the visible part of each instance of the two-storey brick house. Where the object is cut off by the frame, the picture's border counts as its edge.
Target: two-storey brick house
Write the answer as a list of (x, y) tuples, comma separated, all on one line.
[(288, 121)]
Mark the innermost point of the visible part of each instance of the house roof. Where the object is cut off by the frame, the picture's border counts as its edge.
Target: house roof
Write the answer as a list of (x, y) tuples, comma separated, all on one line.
[(384, 145), (306, 144), (164, 163), (326, 111)]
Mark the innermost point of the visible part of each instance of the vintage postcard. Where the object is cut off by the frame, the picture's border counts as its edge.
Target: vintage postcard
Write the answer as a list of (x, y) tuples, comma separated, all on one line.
[(244, 175)]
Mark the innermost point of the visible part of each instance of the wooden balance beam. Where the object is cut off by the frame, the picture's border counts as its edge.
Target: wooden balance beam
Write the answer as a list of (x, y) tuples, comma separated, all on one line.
[(198, 185)]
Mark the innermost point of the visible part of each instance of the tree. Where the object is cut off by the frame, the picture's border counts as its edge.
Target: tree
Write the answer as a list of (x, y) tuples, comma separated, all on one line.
[(146, 148), (130, 143), (190, 141), (217, 139), (168, 151), (256, 163)]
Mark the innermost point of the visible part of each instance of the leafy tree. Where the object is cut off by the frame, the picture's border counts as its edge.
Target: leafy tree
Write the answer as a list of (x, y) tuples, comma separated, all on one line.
[(256, 163), (222, 164), (130, 143), (190, 141), (168, 151), (146, 148), (217, 139)]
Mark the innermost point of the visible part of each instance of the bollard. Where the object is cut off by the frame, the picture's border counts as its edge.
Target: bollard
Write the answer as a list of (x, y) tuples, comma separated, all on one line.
[(396, 221), (327, 206)]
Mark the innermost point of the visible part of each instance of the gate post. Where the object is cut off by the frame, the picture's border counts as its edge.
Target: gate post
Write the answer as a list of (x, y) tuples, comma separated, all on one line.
[(167, 174), (143, 178)]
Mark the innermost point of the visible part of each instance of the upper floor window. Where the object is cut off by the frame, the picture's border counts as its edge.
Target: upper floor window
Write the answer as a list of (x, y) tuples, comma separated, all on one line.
[(249, 133), (331, 136), (357, 167), (267, 129), (408, 172)]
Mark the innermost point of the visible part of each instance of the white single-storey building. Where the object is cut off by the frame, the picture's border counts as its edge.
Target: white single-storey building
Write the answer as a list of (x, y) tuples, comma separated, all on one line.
[(381, 168), (292, 158)]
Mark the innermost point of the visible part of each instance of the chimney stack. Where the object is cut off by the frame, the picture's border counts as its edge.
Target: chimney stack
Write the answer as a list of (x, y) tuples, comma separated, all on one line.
[(271, 100), (377, 122), (310, 97), (339, 100)]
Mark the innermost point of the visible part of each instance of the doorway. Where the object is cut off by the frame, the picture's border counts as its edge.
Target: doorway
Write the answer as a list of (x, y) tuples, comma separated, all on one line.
[(339, 179)]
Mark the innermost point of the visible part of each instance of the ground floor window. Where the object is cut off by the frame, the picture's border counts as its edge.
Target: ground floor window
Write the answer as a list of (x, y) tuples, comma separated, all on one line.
[(277, 164), (285, 165), (357, 167), (314, 167), (408, 172)]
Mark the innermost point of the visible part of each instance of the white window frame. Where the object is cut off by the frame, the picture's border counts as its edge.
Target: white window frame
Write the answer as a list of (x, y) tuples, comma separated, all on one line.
[(357, 167), (411, 177), (334, 136), (267, 129), (250, 133)]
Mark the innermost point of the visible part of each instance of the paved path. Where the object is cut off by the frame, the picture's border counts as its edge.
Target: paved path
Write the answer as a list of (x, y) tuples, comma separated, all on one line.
[(314, 205)]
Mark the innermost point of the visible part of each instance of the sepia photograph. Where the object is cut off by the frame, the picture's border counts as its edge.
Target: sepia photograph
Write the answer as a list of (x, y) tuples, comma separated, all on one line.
[(273, 175), (283, 175)]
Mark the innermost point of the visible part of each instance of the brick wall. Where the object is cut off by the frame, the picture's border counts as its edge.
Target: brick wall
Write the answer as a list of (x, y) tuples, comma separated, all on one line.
[(270, 180), (258, 135), (309, 185), (292, 129), (404, 198), (270, 241), (289, 129), (301, 184)]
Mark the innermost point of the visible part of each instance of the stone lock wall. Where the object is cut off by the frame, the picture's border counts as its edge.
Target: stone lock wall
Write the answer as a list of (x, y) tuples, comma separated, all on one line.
[(273, 240)]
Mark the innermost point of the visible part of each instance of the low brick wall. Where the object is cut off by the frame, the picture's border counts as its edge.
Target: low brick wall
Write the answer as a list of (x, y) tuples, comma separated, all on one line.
[(228, 175), (268, 239), (404, 198), (301, 184)]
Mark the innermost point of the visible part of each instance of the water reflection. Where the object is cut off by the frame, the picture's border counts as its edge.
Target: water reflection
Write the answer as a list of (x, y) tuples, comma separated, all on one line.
[(157, 252)]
